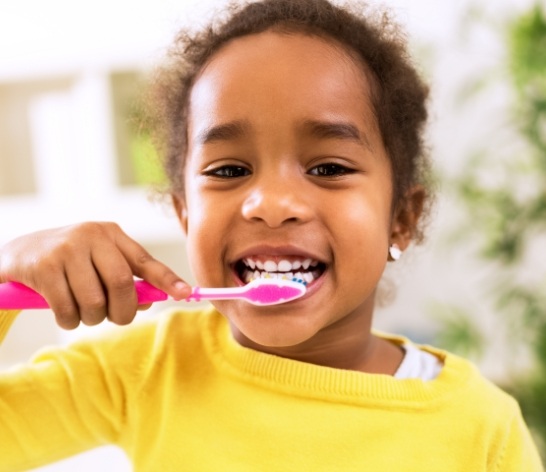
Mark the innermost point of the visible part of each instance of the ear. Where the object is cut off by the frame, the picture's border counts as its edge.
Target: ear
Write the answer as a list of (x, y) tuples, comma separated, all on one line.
[(406, 217), (179, 204)]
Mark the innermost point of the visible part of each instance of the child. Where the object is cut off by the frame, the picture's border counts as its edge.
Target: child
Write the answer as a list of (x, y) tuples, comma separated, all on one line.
[(292, 136)]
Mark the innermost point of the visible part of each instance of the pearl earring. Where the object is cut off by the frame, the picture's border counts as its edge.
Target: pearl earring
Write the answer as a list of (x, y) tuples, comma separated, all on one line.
[(395, 252)]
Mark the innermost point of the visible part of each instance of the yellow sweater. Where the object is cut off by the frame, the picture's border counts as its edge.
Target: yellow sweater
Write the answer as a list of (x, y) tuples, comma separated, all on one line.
[(180, 394)]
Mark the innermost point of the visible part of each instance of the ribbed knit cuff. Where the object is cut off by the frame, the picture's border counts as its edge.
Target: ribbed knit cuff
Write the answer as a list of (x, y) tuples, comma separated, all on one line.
[(6, 320)]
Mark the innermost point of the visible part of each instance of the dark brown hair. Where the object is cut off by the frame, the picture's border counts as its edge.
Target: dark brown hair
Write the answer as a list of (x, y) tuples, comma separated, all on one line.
[(398, 93)]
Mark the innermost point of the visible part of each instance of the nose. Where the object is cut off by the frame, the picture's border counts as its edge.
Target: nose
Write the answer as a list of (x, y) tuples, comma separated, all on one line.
[(277, 202)]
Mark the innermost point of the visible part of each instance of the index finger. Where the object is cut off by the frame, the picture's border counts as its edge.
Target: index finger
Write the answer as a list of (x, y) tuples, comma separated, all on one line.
[(145, 266)]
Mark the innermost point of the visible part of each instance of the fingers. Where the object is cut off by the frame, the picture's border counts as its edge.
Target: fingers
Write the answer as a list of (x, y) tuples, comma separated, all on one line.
[(144, 307), (77, 295), (34, 261), (117, 282), (143, 265), (62, 303), (116, 259), (105, 289), (86, 271)]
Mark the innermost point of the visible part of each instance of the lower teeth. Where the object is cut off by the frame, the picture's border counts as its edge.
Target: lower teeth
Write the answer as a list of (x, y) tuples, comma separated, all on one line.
[(249, 276)]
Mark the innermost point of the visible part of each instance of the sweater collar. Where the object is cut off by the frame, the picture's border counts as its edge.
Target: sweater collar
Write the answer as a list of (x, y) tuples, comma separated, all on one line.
[(330, 384)]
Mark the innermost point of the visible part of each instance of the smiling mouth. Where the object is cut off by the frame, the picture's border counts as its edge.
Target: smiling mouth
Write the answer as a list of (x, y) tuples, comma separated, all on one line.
[(306, 269)]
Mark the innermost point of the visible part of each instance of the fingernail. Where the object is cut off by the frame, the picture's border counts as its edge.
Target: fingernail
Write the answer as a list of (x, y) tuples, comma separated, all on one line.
[(179, 285)]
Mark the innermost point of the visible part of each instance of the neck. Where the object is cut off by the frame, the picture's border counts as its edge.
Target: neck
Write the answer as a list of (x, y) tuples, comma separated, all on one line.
[(346, 344)]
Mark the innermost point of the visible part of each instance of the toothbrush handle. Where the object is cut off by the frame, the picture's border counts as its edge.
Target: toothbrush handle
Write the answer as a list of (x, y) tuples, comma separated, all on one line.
[(147, 293), (16, 296), (199, 293)]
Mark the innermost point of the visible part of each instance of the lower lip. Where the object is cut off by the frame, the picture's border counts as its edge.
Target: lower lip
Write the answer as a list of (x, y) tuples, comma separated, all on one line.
[(312, 287)]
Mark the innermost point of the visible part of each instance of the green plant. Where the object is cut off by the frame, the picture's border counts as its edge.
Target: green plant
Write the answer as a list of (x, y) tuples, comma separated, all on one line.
[(145, 160), (503, 192)]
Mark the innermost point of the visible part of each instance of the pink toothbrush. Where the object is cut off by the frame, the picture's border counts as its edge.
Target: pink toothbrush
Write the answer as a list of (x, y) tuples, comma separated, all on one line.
[(16, 296)]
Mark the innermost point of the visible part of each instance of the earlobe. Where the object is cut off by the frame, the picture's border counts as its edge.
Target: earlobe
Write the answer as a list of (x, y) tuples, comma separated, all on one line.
[(394, 252), (181, 212), (406, 217)]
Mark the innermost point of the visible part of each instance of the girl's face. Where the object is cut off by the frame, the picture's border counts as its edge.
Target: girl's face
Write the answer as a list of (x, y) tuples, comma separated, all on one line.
[(286, 172)]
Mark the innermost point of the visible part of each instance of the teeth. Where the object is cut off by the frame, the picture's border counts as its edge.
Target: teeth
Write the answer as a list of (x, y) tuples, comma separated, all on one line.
[(270, 266), (250, 263), (282, 266), (308, 277), (284, 269), (285, 266)]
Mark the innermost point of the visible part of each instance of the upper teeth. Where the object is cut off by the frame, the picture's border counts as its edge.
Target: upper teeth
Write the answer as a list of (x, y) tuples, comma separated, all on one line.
[(305, 269), (282, 266)]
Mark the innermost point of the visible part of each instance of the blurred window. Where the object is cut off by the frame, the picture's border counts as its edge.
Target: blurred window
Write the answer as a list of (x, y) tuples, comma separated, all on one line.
[(137, 160), (18, 173)]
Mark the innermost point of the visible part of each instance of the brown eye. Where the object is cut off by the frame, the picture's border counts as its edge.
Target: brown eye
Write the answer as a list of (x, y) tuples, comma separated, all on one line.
[(330, 170), (228, 172)]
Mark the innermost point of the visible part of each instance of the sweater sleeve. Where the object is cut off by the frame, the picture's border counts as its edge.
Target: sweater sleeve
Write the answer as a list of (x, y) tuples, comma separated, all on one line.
[(65, 401), (6, 320), (519, 451)]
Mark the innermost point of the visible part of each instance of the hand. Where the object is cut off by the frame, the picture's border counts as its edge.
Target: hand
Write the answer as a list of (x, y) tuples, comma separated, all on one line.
[(85, 272)]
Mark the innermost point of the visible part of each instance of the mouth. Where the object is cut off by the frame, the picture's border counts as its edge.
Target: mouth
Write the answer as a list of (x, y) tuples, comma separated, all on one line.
[(285, 267)]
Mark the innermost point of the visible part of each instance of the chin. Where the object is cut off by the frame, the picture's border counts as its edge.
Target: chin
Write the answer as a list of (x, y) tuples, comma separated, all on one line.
[(279, 333)]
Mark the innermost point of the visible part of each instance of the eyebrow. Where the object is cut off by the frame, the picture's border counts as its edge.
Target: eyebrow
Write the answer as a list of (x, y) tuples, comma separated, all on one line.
[(316, 128), (223, 132), (335, 130)]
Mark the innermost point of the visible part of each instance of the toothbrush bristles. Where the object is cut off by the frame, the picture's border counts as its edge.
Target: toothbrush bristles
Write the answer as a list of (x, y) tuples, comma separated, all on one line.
[(301, 281), (267, 276)]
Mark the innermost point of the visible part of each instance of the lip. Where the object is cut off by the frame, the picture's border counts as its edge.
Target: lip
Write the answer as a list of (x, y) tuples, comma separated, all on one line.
[(313, 287)]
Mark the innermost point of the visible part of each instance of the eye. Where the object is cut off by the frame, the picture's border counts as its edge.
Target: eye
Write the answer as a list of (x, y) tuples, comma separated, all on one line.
[(330, 170), (228, 172)]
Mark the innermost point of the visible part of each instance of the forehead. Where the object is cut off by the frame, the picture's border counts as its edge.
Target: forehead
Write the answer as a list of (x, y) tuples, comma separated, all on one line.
[(281, 74)]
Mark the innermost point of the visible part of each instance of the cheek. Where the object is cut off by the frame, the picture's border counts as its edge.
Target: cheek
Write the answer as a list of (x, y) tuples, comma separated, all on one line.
[(198, 211), (207, 227), (196, 231), (367, 211), (362, 230)]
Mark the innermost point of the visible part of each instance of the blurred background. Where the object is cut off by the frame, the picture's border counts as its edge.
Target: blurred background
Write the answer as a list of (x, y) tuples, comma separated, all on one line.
[(70, 75)]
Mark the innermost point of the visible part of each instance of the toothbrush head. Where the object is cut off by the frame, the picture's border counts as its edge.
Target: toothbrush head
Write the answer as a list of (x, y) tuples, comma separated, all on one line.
[(265, 292)]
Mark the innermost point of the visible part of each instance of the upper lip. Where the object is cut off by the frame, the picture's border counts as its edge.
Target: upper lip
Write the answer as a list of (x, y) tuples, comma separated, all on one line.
[(277, 251)]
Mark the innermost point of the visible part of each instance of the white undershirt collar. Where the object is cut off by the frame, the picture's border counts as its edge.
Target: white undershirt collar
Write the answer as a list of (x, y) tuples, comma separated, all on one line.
[(418, 364)]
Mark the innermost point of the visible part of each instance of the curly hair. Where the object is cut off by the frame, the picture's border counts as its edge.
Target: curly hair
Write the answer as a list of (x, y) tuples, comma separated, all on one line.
[(398, 98)]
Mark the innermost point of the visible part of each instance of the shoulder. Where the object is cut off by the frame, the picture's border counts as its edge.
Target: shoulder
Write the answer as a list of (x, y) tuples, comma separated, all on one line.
[(130, 350), (489, 408), (460, 383), (488, 415)]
